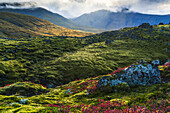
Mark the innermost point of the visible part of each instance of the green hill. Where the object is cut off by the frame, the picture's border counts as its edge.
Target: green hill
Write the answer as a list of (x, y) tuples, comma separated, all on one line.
[(57, 60), (17, 25), (52, 17), (73, 97), (64, 59)]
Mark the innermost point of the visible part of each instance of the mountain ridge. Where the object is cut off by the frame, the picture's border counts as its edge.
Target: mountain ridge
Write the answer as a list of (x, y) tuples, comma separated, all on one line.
[(115, 20), (55, 18), (15, 25)]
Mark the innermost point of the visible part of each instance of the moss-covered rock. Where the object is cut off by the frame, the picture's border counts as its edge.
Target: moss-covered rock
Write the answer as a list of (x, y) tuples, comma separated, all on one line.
[(23, 88)]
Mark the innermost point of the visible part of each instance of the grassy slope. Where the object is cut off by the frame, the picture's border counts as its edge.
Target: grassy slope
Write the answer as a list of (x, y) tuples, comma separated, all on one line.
[(16, 26), (57, 96), (61, 60), (52, 17), (50, 59), (99, 58)]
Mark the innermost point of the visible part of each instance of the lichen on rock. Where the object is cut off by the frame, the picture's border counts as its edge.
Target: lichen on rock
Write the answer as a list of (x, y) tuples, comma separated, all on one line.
[(142, 73)]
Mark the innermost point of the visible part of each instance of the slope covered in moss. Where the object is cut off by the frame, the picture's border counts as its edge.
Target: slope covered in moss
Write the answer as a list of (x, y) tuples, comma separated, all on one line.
[(58, 63), (14, 25), (59, 60), (74, 97), (23, 88)]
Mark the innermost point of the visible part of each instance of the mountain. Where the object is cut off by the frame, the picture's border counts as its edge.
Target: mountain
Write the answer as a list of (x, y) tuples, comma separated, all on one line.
[(14, 25), (52, 17), (104, 19)]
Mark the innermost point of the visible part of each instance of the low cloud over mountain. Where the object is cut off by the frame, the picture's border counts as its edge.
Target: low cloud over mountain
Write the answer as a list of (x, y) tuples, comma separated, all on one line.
[(75, 8), (18, 4)]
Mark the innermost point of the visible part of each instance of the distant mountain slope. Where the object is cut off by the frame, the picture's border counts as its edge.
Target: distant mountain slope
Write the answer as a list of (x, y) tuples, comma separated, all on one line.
[(104, 19), (52, 17), (17, 25)]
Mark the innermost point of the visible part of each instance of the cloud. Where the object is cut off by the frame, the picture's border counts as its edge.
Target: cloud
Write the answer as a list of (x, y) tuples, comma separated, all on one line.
[(74, 8), (79, 1), (155, 1), (152, 6), (18, 4)]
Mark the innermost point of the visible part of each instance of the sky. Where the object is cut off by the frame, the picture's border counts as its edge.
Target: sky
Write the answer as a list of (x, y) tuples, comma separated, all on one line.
[(75, 8)]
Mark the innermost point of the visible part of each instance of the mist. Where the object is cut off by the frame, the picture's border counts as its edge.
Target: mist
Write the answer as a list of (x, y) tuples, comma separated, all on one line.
[(18, 5), (75, 8)]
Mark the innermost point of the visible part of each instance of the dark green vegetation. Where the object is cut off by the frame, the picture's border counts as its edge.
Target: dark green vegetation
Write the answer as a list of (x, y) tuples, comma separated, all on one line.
[(59, 60), (154, 97), (19, 26), (108, 20), (23, 88), (52, 17)]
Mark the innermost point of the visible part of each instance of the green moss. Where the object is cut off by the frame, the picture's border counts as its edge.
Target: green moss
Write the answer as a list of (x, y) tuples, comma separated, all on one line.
[(23, 88), (65, 60)]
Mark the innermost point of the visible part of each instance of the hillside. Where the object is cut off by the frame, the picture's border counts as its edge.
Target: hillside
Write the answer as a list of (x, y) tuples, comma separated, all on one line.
[(60, 73), (74, 97), (108, 20), (17, 25), (65, 59), (52, 17)]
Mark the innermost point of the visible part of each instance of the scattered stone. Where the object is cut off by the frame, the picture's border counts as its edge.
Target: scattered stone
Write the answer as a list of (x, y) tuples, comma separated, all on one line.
[(113, 82), (47, 40), (166, 50), (68, 91), (23, 101), (168, 44), (162, 30), (108, 41), (5, 59), (156, 62), (50, 86)]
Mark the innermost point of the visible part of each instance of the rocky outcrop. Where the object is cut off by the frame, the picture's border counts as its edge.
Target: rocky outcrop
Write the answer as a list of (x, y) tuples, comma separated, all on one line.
[(113, 83), (145, 25), (141, 73)]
